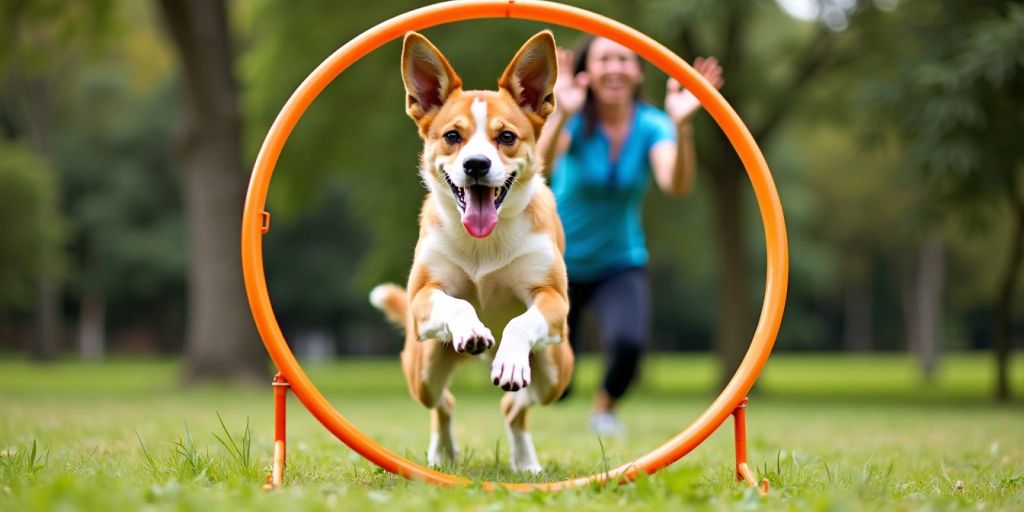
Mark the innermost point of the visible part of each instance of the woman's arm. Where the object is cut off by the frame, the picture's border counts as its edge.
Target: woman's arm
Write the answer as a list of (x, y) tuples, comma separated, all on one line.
[(570, 94), (675, 163), (553, 141)]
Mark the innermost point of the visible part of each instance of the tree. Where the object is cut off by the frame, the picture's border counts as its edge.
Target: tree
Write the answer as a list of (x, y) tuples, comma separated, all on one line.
[(356, 130), (41, 49), (114, 155), (956, 99), (220, 341), (768, 72), (30, 226)]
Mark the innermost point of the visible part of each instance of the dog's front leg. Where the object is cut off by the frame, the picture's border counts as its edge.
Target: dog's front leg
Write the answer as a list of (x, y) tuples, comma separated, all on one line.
[(444, 318), (542, 324)]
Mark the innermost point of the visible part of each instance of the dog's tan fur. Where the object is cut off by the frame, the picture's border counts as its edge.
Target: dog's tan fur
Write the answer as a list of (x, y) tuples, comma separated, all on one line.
[(513, 279)]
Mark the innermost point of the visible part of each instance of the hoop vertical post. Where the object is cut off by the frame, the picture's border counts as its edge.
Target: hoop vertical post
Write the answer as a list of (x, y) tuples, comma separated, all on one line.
[(743, 471), (276, 477)]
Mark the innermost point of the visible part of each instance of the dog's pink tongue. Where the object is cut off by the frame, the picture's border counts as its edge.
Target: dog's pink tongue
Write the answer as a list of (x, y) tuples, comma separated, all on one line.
[(480, 216)]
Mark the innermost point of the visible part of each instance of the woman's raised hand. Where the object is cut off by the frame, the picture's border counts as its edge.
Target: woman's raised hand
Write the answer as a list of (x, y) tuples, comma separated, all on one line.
[(681, 103), (570, 91)]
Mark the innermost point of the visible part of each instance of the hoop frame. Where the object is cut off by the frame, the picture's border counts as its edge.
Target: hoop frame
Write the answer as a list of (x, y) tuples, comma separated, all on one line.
[(254, 216)]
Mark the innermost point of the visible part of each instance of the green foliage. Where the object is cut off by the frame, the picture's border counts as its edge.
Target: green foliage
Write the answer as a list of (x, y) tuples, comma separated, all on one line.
[(85, 85), (40, 34), (116, 161), (310, 261), (32, 229), (956, 100), (356, 142), (928, 93)]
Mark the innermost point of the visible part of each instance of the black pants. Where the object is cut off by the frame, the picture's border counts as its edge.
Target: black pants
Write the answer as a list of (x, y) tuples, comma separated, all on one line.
[(621, 304)]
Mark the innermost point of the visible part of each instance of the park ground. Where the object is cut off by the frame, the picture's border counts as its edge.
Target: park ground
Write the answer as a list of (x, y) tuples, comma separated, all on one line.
[(830, 432)]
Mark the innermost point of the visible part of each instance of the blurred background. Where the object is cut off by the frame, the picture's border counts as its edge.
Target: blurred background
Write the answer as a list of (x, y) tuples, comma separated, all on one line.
[(128, 129)]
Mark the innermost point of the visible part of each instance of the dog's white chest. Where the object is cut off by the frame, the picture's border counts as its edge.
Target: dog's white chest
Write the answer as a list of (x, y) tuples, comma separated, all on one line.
[(496, 277)]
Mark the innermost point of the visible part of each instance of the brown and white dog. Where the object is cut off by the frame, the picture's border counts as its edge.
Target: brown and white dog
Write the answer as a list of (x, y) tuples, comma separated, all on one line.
[(490, 245)]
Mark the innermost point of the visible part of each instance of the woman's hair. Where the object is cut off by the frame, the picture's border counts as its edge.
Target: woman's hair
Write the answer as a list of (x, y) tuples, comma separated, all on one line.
[(579, 65)]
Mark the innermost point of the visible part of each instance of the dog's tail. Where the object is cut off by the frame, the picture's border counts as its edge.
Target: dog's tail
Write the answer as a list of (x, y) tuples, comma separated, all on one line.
[(392, 300)]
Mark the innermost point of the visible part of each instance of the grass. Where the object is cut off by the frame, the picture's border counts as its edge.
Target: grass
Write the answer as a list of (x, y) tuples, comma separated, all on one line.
[(830, 432)]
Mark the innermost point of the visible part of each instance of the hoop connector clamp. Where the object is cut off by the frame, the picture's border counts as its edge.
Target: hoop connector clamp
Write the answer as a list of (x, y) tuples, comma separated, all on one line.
[(264, 222), (508, 8)]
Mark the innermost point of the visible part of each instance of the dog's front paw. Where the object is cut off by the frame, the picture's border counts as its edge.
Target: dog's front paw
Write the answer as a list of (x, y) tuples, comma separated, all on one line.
[(511, 367), (471, 337)]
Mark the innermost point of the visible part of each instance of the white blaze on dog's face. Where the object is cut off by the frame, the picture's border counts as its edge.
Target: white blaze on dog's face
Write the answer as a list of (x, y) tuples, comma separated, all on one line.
[(479, 147)]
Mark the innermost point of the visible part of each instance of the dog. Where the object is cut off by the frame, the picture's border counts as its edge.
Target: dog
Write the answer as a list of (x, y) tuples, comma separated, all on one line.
[(490, 249)]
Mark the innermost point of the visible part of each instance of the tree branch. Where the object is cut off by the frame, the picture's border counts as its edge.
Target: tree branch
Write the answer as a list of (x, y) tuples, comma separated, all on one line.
[(1013, 192), (732, 55), (817, 59), (687, 44)]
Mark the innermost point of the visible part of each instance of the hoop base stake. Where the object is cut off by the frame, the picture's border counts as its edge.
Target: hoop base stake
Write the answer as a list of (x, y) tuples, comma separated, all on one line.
[(743, 471), (276, 476)]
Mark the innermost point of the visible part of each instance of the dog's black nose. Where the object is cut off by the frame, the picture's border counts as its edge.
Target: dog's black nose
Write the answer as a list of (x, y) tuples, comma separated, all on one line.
[(477, 166)]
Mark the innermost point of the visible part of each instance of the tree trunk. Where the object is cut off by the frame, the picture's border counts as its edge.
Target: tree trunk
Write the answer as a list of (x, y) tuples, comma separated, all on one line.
[(49, 322), (48, 318), (733, 325), (931, 269), (34, 115), (92, 327), (220, 339), (858, 321), (1003, 313)]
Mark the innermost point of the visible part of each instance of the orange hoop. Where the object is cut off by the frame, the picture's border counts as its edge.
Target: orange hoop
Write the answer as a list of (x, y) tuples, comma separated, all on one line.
[(254, 216)]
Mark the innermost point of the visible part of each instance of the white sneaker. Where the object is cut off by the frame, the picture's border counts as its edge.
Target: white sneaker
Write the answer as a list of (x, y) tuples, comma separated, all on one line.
[(606, 424)]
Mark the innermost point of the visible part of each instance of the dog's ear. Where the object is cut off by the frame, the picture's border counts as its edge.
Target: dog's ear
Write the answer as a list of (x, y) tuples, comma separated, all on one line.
[(530, 77), (428, 77)]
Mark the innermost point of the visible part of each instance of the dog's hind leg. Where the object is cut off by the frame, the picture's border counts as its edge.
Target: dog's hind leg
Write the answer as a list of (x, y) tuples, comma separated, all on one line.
[(428, 368), (443, 448), (552, 369), (522, 454)]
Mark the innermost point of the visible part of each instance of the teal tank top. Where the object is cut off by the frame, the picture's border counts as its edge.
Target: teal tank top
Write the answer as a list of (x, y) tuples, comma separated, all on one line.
[(600, 201)]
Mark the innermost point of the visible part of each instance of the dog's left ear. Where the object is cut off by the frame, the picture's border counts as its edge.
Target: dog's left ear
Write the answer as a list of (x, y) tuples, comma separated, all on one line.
[(530, 77)]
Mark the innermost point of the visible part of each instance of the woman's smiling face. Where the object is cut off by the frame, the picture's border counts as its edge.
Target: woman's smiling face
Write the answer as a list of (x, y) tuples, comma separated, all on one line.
[(615, 72)]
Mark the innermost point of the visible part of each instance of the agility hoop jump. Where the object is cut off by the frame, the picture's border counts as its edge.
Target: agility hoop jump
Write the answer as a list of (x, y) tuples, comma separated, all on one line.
[(732, 401)]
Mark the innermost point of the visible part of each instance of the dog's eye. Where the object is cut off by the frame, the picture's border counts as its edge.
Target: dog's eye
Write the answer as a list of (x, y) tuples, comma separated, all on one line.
[(452, 137), (507, 138)]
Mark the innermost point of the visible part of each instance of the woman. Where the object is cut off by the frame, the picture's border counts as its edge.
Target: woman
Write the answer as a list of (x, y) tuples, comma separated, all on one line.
[(604, 141)]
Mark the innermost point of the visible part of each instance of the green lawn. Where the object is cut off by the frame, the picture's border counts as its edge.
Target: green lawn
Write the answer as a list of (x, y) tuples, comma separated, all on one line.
[(830, 432)]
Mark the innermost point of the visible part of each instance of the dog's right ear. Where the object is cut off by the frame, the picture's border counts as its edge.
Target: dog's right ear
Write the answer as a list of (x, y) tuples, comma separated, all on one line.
[(428, 77)]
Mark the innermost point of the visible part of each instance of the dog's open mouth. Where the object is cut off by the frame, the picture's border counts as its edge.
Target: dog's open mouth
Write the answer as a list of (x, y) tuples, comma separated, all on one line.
[(479, 205)]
